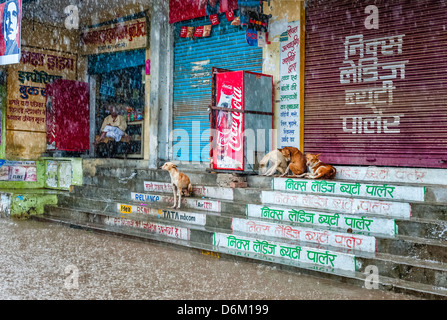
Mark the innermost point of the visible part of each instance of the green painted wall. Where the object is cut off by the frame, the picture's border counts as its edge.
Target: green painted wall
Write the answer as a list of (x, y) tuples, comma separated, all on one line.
[(29, 198), (39, 183), (24, 205)]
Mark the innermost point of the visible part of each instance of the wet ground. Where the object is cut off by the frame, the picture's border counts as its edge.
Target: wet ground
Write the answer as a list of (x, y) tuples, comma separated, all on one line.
[(48, 261)]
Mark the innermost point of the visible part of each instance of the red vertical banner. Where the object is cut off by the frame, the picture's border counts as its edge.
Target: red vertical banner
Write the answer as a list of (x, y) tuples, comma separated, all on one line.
[(229, 146), (68, 115)]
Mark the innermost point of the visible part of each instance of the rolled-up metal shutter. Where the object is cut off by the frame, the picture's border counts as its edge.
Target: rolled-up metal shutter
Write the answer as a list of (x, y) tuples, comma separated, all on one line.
[(376, 96), (225, 48)]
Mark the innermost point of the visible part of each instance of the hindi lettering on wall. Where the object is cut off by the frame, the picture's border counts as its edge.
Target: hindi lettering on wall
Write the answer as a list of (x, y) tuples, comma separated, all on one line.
[(25, 106)]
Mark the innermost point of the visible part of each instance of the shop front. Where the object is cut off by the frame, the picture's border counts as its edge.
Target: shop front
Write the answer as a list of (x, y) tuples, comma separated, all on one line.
[(208, 35), (28, 172), (55, 98), (375, 85), (117, 70)]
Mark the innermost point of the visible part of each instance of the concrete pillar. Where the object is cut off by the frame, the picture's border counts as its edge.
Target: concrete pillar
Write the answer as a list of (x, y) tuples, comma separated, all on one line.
[(160, 109)]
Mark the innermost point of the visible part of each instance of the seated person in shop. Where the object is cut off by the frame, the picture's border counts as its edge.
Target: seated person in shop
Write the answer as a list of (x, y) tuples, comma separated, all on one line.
[(113, 126)]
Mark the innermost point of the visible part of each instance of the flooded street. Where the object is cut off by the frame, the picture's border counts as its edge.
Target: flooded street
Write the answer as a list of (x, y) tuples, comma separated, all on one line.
[(47, 261)]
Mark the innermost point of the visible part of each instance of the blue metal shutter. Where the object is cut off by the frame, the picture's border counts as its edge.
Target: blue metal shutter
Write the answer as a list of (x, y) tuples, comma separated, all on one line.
[(107, 62), (193, 59)]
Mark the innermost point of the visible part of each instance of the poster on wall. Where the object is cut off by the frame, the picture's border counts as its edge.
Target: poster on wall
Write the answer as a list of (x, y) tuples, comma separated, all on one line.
[(11, 14), (18, 170), (289, 75)]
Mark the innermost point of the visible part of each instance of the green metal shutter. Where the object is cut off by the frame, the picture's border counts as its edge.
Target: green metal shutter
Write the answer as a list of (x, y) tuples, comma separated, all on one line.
[(193, 59)]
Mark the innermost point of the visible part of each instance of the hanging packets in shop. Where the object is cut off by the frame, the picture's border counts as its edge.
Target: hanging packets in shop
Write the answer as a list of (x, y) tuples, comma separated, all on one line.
[(199, 32), (214, 18), (230, 15)]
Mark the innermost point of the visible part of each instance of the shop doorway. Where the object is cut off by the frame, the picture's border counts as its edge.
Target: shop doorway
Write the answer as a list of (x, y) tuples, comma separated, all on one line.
[(123, 90)]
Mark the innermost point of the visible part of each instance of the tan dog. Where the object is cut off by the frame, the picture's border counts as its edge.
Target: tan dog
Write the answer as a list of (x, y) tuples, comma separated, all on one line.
[(278, 160), (179, 181), (318, 169), (297, 160)]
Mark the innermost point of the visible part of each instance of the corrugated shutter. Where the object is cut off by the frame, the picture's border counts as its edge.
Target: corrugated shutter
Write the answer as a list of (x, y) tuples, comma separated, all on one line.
[(403, 87), (193, 59), (107, 62)]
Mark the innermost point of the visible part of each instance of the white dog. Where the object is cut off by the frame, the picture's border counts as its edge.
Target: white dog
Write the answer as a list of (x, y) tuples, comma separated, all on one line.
[(278, 160)]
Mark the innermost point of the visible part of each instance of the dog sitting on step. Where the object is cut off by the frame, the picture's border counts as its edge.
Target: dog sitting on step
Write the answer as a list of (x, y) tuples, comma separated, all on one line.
[(180, 183), (297, 160)]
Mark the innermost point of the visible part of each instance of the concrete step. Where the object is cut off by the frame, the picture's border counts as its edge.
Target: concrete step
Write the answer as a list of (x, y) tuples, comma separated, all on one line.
[(413, 179), (429, 211), (413, 247), (421, 176), (425, 210), (343, 188), (358, 206), (128, 173), (321, 236), (400, 175), (387, 218), (432, 216), (375, 188), (423, 228), (336, 228), (405, 268), (368, 224), (399, 245), (365, 223), (322, 259)]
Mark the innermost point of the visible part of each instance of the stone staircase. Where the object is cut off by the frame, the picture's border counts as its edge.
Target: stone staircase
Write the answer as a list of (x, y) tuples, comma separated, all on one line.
[(374, 227)]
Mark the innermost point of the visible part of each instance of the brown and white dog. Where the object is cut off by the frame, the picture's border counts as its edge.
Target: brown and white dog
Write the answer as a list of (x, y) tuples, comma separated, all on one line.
[(297, 160), (318, 169), (179, 181), (279, 163)]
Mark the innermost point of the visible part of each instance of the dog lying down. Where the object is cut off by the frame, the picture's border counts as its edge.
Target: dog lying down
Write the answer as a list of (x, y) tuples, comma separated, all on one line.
[(290, 159), (180, 183), (318, 169), (285, 160)]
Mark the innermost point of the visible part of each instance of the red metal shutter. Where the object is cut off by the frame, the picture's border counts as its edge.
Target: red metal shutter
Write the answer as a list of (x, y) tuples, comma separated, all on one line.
[(392, 109)]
